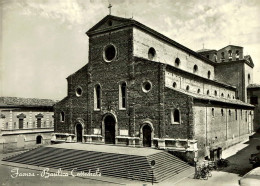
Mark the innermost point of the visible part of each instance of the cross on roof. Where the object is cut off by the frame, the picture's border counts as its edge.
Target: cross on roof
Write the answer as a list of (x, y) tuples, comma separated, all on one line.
[(110, 7)]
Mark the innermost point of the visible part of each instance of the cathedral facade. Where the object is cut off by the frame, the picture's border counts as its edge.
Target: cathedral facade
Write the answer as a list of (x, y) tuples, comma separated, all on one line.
[(142, 89)]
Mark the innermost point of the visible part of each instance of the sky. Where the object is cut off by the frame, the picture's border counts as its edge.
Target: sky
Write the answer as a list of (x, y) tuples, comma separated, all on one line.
[(44, 41)]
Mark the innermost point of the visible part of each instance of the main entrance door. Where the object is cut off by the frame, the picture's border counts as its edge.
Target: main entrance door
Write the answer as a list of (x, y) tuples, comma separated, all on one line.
[(79, 132), (109, 130), (147, 133)]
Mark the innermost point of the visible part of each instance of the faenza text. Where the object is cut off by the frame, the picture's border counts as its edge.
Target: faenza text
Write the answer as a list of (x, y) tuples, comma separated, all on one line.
[(45, 173)]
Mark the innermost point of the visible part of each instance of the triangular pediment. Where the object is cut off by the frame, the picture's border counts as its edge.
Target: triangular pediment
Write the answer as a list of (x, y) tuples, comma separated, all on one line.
[(108, 22)]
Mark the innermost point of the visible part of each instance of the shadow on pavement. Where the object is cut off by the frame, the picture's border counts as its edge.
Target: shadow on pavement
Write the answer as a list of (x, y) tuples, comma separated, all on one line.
[(239, 162)]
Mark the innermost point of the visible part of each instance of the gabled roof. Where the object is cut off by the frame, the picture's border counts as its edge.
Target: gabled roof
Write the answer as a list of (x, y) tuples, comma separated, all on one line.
[(105, 19), (30, 102), (249, 60), (124, 22)]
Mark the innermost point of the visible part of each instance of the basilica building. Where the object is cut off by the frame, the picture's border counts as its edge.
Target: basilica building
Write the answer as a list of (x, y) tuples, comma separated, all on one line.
[(143, 89)]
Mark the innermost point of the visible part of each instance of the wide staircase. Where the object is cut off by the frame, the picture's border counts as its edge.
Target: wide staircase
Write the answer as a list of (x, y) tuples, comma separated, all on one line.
[(135, 167)]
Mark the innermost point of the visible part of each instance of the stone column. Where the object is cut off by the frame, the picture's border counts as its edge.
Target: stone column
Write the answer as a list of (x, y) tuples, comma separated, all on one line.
[(47, 119)]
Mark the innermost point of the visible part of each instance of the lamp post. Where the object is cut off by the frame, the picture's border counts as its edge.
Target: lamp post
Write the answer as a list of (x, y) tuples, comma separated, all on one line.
[(152, 165)]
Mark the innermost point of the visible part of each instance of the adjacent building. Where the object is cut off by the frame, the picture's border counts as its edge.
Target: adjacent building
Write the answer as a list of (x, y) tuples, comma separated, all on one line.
[(253, 92), (140, 88), (25, 123)]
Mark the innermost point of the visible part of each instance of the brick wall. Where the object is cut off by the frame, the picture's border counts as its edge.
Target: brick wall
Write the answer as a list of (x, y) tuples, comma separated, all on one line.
[(215, 130), (182, 102)]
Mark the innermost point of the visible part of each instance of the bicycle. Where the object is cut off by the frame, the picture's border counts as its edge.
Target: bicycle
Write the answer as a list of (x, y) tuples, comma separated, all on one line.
[(202, 172)]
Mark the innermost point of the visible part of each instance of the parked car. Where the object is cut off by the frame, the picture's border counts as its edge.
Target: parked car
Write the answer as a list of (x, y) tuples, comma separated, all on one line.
[(252, 178)]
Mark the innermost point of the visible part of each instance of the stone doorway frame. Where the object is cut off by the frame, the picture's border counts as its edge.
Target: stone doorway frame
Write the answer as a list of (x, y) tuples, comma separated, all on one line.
[(76, 132), (141, 132), (103, 126)]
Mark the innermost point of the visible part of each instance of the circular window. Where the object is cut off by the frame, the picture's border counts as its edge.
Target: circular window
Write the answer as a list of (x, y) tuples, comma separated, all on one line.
[(147, 86), (79, 91), (109, 53), (151, 53)]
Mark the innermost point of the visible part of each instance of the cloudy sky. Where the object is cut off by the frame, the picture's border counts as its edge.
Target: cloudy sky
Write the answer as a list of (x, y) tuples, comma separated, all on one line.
[(44, 41)]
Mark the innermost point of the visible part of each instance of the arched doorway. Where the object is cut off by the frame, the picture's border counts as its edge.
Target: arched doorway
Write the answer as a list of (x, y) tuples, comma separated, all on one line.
[(109, 122), (38, 140), (79, 132), (147, 136)]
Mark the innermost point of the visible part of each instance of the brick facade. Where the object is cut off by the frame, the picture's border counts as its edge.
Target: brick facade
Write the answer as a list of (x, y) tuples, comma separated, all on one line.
[(145, 61)]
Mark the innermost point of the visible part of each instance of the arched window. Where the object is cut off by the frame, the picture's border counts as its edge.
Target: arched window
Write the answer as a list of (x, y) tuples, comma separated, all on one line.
[(230, 55), (174, 85), (216, 93), (62, 116), (177, 62), (209, 74), (187, 87), (151, 53), (237, 55), (195, 68), (213, 111), (176, 116), (21, 120), (122, 95), (39, 120), (236, 113), (229, 112), (222, 112), (222, 56), (198, 91), (222, 95), (97, 97), (207, 92), (249, 78), (246, 116)]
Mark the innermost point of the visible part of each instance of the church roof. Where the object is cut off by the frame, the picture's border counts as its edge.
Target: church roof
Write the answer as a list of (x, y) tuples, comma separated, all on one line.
[(206, 50), (253, 86), (26, 102), (127, 22), (213, 98)]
